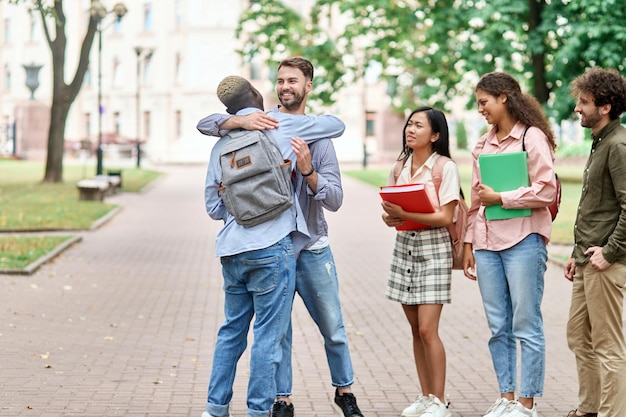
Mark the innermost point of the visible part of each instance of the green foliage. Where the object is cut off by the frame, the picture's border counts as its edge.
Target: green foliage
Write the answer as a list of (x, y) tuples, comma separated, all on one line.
[(432, 51), (262, 29), (461, 135), (575, 149)]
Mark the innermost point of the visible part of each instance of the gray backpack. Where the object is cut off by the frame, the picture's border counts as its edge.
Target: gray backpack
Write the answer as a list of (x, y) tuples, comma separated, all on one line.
[(256, 179)]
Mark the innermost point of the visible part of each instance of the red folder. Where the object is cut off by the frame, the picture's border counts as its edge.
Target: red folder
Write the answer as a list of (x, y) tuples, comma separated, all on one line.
[(412, 198)]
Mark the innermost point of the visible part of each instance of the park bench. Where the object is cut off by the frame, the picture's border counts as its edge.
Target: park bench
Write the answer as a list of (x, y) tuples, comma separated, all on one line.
[(115, 182), (96, 188), (92, 189)]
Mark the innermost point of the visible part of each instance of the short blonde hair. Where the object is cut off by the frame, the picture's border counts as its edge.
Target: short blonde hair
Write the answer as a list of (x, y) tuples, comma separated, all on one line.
[(232, 88)]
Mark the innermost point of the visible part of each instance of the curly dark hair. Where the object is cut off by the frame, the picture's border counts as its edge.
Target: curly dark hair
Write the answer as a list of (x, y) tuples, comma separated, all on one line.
[(522, 107), (606, 86), (438, 124)]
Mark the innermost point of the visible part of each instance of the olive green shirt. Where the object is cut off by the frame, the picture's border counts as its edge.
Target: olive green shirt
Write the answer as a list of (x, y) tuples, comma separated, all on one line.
[(601, 218)]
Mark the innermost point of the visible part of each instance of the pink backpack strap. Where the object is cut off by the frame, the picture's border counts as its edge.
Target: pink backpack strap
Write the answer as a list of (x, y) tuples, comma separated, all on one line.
[(397, 169), (437, 172)]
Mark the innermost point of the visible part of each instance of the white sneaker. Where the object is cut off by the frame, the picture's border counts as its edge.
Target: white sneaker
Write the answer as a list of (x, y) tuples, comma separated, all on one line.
[(497, 408), (418, 407), (206, 414), (515, 409), (436, 408)]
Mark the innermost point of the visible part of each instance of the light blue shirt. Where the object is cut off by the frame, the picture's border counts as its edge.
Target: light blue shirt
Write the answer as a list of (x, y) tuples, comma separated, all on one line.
[(233, 238)]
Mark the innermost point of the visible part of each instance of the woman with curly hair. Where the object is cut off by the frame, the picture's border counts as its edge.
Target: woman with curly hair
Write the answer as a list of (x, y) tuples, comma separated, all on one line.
[(508, 257)]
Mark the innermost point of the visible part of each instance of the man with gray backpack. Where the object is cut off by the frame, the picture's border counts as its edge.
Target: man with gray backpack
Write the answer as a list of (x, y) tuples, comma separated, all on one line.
[(258, 261), (318, 188)]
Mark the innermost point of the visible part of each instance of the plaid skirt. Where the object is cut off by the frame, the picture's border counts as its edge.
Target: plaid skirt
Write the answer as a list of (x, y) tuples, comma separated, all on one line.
[(421, 268)]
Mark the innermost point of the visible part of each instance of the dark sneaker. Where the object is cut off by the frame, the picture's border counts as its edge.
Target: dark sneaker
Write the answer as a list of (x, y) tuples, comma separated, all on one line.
[(575, 413), (346, 404), (282, 409)]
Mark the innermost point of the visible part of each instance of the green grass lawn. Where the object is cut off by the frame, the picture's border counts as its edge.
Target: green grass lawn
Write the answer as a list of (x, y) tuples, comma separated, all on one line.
[(563, 226), (17, 252), (27, 204)]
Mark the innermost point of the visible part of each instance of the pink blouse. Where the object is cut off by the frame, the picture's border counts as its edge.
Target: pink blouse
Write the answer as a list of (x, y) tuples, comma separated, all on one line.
[(498, 235)]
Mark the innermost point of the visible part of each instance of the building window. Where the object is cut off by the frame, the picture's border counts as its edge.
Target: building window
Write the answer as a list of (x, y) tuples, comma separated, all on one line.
[(179, 124), (117, 120), (7, 76), (255, 70), (33, 26), (116, 71), (370, 125), (178, 14), (147, 68), (177, 69), (147, 17), (146, 125), (117, 26), (7, 30), (87, 125), (87, 77)]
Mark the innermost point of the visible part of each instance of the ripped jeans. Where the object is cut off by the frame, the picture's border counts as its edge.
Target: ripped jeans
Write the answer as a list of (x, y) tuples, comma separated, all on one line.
[(317, 284)]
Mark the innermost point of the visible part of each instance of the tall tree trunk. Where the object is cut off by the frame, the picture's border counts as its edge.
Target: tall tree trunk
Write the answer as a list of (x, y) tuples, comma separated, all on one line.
[(63, 95), (56, 140), (540, 83)]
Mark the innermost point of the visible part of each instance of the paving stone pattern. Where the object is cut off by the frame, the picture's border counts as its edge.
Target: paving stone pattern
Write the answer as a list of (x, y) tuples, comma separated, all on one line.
[(124, 322)]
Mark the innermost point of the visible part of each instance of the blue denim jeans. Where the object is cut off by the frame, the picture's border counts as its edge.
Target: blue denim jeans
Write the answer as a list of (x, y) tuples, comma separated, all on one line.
[(260, 283), (317, 284), (511, 284)]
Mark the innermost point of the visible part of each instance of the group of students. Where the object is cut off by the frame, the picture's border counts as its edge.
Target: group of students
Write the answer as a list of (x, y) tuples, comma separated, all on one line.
[(265, 265), (508, 257)]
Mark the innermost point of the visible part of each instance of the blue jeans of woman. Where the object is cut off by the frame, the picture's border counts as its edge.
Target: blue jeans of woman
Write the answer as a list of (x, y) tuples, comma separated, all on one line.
[(317, 284), (260, 283), (511, 284)]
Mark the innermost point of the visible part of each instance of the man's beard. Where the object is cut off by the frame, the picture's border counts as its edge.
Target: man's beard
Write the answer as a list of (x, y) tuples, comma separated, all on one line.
[(294, 103), (590, 120)]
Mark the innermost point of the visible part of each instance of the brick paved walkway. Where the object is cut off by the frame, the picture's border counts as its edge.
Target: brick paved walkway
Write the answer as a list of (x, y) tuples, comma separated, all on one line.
[(124, 322)]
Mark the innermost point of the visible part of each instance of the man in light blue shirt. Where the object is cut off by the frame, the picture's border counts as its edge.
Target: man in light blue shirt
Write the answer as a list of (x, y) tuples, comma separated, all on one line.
[(318, 187), (259, 271)]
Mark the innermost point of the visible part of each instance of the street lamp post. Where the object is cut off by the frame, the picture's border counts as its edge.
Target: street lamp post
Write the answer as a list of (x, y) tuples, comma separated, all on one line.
[(148, 53), (99, 12)]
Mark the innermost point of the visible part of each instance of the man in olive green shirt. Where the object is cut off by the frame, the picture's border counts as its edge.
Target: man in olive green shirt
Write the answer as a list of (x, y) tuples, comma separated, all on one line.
[(598, 264)]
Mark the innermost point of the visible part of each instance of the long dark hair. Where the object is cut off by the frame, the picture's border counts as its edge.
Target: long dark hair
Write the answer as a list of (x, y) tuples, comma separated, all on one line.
[(522, 107), (438, 124)]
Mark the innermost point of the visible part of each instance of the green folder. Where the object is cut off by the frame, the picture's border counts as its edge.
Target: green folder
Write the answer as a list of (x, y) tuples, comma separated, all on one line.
[(504, 172)]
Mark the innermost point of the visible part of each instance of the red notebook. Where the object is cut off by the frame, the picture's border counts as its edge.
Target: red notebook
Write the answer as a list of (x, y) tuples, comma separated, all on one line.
[(412, 198)]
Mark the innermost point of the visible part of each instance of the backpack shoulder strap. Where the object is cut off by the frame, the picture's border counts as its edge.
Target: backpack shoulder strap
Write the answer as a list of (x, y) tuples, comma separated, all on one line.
[(524, 137), (437, 172), (397, 169)]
